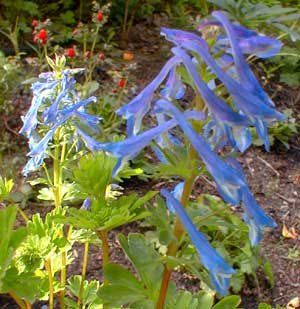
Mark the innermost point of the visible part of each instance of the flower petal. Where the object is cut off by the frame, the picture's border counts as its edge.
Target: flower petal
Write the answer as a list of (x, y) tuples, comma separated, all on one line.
[(219, 270)]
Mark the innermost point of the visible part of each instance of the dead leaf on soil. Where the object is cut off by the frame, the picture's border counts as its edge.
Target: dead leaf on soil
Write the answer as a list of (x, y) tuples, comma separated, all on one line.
[(289, 234), (294, 303), (128, 56)]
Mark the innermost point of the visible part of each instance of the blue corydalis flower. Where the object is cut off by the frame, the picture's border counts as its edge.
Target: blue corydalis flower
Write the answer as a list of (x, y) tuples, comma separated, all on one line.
[(254, 216), (136, 109), (231, 123), (177, 193), (228, 180), (174, 88), (220, 271), (165, 140), (245, 74), (87, 204), (130, 147), (249, 41), (259, 112), (56, 100)]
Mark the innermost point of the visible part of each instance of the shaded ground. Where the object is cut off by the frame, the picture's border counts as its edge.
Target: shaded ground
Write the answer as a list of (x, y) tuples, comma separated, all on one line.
[(273, 177)]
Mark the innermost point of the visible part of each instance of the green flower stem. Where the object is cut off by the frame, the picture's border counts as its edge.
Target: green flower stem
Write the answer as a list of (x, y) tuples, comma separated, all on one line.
[(83, 274), (49, 270), (23, 214), (178, 228), (105, 250), (92, 66), (63, 279), (20, 302), (172, 248), (58, 161), (57, 182)]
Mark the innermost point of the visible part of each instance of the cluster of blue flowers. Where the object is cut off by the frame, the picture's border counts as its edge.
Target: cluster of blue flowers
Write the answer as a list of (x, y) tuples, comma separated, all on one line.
[(226, 124), (55, 103)]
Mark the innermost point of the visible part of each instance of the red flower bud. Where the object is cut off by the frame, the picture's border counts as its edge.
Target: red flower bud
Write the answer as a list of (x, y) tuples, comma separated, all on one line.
[(121, 83), (87, 54), (71, 52), (100, 16), (42, 35), (101, 56), (34, 23)]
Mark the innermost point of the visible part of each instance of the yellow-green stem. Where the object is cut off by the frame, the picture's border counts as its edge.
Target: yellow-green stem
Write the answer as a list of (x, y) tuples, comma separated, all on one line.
[(83, 274), (18, 300), (63, 279), (50, 278), (23, 214), (56, 176), (105, 250), (172, 248), (92, 65)]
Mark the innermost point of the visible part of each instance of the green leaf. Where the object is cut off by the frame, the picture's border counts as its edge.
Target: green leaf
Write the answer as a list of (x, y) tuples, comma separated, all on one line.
[(116, 274), (205, 299), (229, 302), (145, 259), (118, 295), (90, 289), (268, 270), (264, 306)]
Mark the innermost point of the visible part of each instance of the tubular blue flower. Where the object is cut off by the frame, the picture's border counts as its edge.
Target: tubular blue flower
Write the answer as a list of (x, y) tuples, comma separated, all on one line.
[(87, 204), (249, 41), (165, 140), (66, 85), (41, 92), (130, 147), (260, 113), (56, 110), (233, 124), (229, 181), (177, 193), (174, 89), (220, 271), (135, 110), (255, 217), (245, 74)]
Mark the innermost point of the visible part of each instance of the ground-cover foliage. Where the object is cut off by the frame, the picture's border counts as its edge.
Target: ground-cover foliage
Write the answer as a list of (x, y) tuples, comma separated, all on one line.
[(78, 163)]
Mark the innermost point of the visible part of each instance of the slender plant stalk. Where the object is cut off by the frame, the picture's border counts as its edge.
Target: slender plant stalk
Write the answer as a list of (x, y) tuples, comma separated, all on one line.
[(28, 305), (172, 248), (63, 279), (105, 250), (18, 300), (92, 65), (105, 254), (49, 270), (83, 274), (59, 157), (178, 228)]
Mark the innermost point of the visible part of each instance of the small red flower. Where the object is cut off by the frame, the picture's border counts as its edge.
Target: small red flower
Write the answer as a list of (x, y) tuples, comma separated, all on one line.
[(42, 35), (71, 52), (34, 23), (101, 56), (122, 83), (100, 16), (87, 54)]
